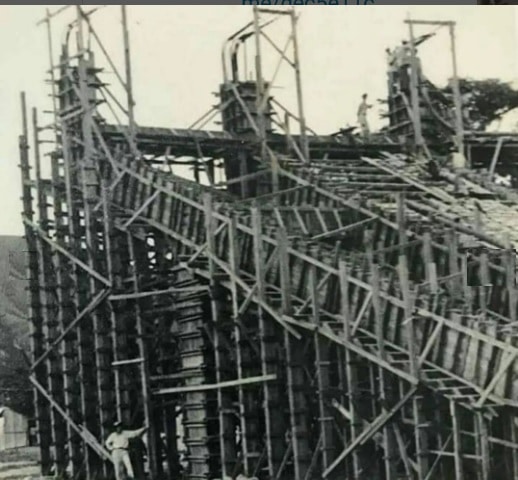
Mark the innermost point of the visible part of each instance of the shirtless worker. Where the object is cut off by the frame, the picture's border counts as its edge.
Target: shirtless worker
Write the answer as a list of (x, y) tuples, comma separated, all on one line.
[(362, 116), (118, 444)]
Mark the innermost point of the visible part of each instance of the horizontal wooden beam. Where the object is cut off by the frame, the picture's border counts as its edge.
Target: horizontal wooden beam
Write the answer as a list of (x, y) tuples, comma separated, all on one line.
[(431, 22), (169, 291), (132, 361), (345, 229), (216, 386)]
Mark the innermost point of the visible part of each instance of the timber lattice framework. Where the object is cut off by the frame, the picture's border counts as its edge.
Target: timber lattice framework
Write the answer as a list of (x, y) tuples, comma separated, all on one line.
[(310, 316)]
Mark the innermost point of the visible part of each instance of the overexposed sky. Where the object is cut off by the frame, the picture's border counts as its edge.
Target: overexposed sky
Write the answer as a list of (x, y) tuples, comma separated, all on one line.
[(176, 57)]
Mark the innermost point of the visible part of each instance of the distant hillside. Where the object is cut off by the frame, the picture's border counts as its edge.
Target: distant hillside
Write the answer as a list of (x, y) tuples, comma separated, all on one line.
[(14, 325)]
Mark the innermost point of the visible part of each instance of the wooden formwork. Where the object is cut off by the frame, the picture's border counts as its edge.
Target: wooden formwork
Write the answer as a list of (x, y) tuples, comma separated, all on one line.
[(312, 353), (300, 320)]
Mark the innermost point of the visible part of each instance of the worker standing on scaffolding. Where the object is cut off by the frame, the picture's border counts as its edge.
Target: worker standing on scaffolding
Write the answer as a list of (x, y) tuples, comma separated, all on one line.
[(362, 116), (392, 70), (403, 62), (118, 445)]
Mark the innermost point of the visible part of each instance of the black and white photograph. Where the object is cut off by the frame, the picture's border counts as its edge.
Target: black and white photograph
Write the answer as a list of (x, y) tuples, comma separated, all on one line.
[(259, 242)]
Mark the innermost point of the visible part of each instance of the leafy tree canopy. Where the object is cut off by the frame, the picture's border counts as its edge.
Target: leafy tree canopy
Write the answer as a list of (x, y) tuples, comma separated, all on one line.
[(486, 100)]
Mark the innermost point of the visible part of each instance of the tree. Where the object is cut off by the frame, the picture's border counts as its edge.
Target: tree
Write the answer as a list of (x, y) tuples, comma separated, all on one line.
[(485, 101), (15, 386)]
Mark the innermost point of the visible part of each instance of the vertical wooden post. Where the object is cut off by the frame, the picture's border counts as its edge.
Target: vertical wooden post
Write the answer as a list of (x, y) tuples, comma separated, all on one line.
[(459, 127), (36, 314), (51, 308), (466, 288), (322, 374), (243, 170), (457, 442), (129, 83), (298, 79), (226, 429), (351, 371), (142, 332), (485, 456), (234, 267), (514, 439), (452, 261), (85, 348), (274, 433), (389, 442), (295, 373), (429, 264), (510, 257), (90, 189), (485, 288), (112, 256), (421, 438), (414, 91)]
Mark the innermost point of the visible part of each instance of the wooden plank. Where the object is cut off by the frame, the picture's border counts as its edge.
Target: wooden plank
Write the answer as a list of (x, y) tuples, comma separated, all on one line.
[(343, 229), (169, 291), (216, 386)]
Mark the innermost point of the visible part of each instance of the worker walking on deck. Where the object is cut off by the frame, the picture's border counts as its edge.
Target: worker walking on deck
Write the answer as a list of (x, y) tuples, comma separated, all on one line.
[(118, 445), (362, 116)]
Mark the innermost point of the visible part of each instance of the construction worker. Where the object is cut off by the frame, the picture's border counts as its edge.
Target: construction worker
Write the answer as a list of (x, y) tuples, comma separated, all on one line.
[(391, 59), (392, 70), (399, 54), (362, 116), (118, 445), (403, 62)]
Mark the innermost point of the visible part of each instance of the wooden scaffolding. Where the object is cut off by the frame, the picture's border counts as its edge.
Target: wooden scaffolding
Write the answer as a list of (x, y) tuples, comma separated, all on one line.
[(315, 315)]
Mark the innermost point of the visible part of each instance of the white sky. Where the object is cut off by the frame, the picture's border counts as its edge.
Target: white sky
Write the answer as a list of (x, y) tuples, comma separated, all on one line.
[(176, 56)]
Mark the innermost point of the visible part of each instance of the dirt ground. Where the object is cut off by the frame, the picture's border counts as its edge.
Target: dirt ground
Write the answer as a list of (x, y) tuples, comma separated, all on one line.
[(20, 464)]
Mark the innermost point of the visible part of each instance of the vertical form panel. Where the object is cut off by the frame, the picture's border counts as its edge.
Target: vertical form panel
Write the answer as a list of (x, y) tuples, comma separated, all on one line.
[(298, 407), (137, 257), (51, 308), (274, 432), (351, 370), (226, 427), (41, 406), (322, 376)]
